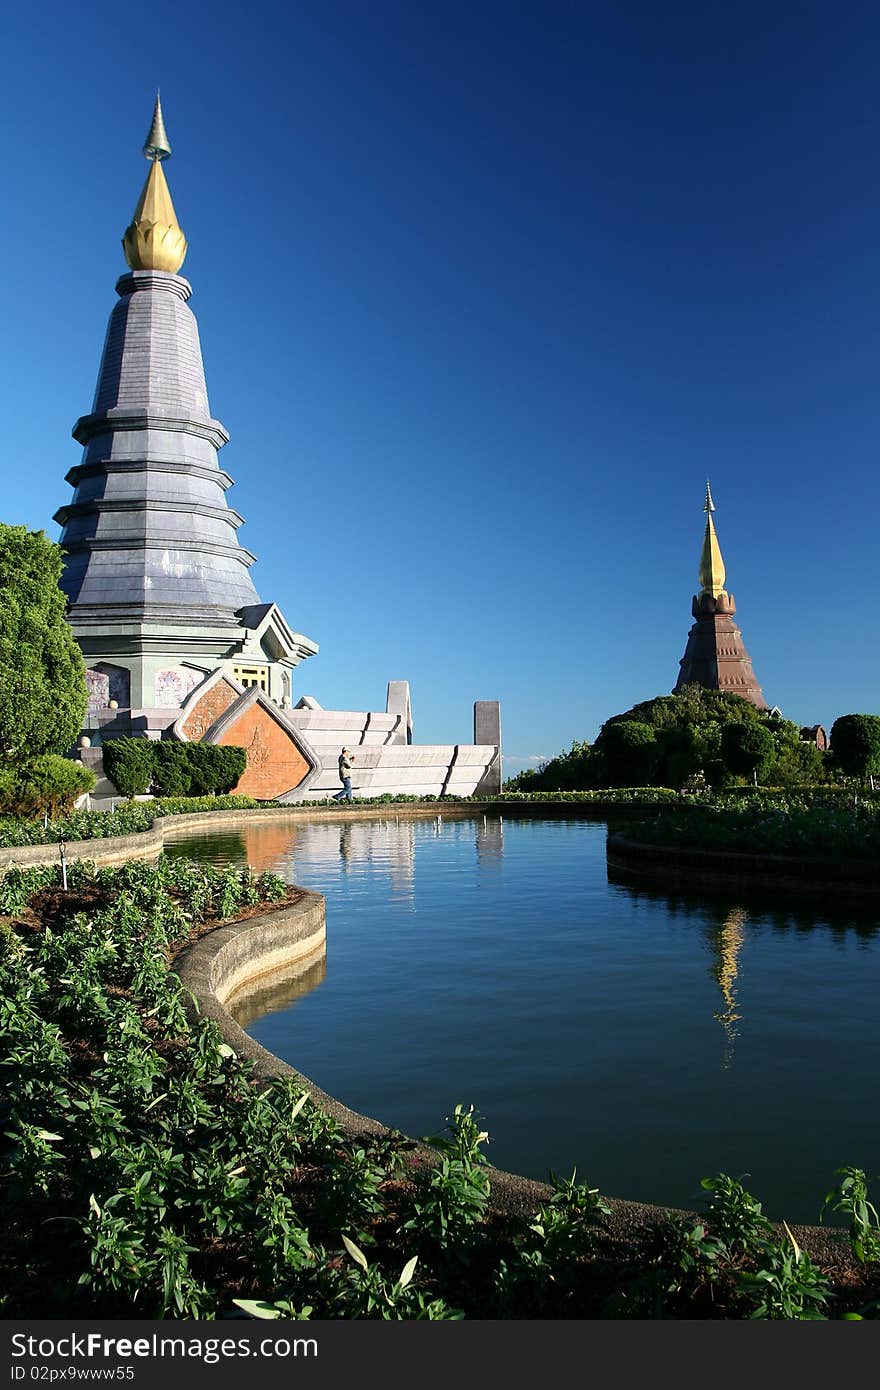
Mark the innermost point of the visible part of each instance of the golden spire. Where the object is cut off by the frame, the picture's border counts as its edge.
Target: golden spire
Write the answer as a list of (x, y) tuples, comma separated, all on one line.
[(155, 240), (711, 564)]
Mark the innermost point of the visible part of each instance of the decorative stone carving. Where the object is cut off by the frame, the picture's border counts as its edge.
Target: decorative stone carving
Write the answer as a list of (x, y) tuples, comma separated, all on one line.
[(279, 760), (169, 690), (98, 686), (205, 707)]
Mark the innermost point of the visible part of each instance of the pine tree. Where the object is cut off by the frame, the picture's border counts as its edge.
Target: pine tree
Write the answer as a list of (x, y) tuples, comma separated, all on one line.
[(43, 694)]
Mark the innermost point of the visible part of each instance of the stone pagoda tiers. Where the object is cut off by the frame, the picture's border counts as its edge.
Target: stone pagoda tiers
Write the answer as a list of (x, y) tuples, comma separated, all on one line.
[(715, 656), (177, 643), (159, 588)]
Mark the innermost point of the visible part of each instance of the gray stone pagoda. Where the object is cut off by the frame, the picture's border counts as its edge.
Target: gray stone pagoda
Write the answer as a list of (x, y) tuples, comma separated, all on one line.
[(159, 588), (177, 643)]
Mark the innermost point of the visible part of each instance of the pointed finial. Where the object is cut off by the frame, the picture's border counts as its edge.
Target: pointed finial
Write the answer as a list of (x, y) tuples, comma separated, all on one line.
[(156, 145), (154, 239), (712, 573)]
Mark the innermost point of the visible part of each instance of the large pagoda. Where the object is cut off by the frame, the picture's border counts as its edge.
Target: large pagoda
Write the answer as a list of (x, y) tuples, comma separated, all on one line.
[(715, 656), (160, 594)]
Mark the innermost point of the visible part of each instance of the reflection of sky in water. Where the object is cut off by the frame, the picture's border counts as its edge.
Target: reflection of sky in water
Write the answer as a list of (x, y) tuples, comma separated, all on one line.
[(277, 992), (651, 1038)]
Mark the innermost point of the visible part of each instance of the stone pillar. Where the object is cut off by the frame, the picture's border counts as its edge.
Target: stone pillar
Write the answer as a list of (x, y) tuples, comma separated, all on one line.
[(398, 702), (487, 729)]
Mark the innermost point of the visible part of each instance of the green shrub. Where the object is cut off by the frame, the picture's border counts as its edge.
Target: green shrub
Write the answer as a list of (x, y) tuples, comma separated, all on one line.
[(137, 765), (44, 784), (855, 744), (631, 753), (213, 767), (128, 762), (172, 773), (746, 749)]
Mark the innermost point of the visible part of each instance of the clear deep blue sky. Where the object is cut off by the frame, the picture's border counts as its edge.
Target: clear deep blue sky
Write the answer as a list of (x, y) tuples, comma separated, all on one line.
[(486, 292)]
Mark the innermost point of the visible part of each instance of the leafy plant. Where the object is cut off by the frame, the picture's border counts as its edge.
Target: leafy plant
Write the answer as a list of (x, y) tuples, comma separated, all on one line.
[(734, 1216), (785, 1285), (456, 1192), (850, 1197)]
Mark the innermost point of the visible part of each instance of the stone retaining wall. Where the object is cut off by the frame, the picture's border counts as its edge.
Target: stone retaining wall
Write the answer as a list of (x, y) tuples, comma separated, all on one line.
[(217, 968), (147, 844), (686, 864)]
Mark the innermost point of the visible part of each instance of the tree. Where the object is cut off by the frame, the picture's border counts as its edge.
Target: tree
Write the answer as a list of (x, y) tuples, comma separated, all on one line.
[(747, 749), (630, 751), (855, 744), (576, 770), (43, 694)]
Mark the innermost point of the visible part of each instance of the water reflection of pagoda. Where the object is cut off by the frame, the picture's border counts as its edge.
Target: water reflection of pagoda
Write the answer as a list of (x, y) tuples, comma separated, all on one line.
[(726, 942)]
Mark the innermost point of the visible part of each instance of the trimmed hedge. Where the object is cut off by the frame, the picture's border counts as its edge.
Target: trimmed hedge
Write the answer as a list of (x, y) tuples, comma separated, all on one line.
[(45, 784), (139, 765)]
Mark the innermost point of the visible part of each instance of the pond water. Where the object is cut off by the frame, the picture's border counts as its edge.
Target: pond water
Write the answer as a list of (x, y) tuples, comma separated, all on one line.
[(649, 1038)]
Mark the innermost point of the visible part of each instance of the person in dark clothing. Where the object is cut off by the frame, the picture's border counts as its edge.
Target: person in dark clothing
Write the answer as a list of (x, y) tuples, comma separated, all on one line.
[(345, 764)]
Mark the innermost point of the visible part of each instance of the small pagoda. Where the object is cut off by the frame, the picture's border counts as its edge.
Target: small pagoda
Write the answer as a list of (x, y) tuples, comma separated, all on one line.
[(715, 656)]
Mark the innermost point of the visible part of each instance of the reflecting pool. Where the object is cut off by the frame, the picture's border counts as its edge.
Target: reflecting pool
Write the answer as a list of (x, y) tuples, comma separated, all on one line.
[(649, 1038)]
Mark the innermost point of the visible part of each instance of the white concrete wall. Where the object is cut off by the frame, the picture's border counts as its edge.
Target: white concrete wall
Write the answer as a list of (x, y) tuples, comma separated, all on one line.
[(332, 729), (424, 769)]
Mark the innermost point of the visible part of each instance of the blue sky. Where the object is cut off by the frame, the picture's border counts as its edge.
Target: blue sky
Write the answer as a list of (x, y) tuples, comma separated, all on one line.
[(486, 292)]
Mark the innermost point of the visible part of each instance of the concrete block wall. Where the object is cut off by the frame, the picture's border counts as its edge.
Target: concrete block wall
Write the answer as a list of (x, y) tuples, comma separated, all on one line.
[(407, 769)]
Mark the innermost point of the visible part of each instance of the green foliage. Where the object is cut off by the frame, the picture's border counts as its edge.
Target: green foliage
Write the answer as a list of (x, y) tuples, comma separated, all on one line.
[(676, 1270), (797, 763), (850, 1197), (747, 749), (691, 706), (171, 771), (47, 784), (149, 1172), (575, 770), (733, 1216), (456, 1194), (42, 675), (630, 752), (855, 744), (128, 762), (769, 823), (684, 742), (544, 1272), (213, 767), (170, 768), (786, 1284)]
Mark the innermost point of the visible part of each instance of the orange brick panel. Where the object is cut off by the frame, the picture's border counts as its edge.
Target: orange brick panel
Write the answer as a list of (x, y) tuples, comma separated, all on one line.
[(274, 763), (208, 710)]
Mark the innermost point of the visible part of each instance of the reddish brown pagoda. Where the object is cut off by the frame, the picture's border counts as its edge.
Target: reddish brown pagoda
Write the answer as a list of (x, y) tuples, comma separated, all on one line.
[(715, 656)]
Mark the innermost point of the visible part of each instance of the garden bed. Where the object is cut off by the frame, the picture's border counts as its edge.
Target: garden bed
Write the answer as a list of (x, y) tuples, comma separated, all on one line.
[(149, 1171)]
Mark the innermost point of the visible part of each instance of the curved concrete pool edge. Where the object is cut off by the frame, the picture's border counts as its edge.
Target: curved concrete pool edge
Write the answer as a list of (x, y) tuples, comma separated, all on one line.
[(148, 844), (220, 965)]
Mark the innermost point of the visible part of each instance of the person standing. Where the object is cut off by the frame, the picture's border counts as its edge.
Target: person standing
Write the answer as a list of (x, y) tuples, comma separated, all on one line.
[(346, 760)]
